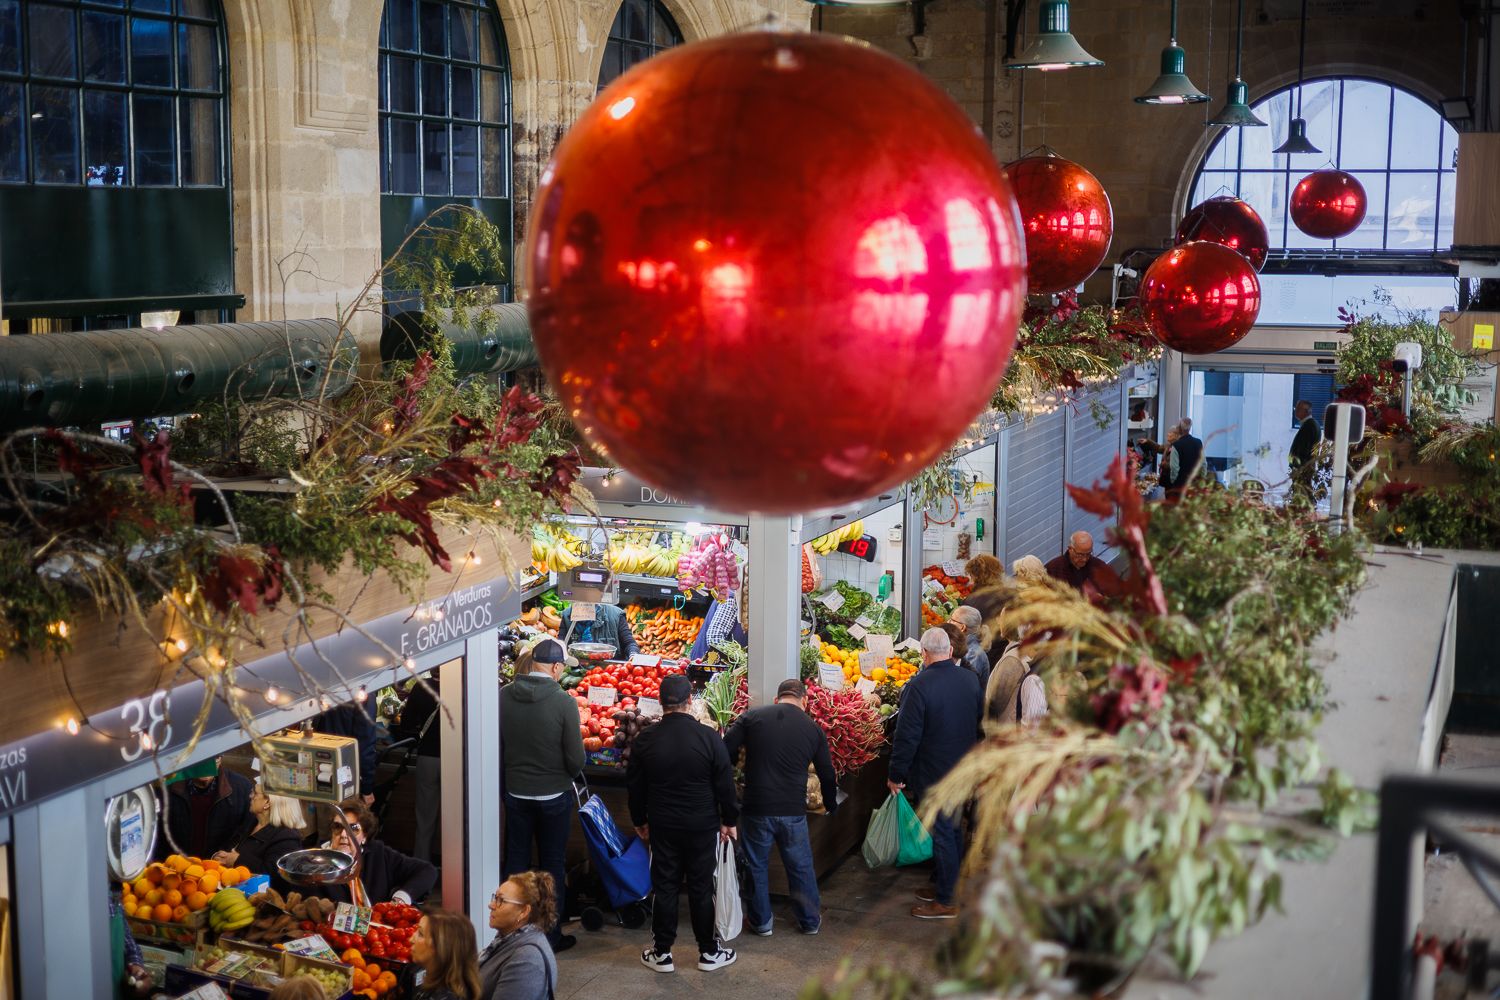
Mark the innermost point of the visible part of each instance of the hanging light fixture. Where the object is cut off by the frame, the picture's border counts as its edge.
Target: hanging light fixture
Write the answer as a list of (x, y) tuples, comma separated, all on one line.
[(1236, 111), (1296, 134), (1054, 46), (1173, 86)]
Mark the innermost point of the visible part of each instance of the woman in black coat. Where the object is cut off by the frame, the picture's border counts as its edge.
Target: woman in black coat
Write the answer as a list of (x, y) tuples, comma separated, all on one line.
[(275, 827), (385, 873)]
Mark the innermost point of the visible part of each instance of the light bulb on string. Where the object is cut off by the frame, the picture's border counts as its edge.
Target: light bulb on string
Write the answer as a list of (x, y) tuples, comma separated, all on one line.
[(272, 695), (361, 694), (410, 665), (71, 726)]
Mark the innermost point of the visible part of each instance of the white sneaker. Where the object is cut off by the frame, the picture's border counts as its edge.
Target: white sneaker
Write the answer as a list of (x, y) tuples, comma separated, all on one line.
[(659, 963), (762, 931), (708, 961)]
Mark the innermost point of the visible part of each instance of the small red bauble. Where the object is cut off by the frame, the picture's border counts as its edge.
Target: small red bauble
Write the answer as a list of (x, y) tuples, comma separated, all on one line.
[(1328, 204), (1065, 218), (1200, 297), (774, 272), (1229, 221)]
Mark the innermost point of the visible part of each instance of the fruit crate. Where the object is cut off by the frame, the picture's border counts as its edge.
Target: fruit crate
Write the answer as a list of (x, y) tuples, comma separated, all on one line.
[(292, 964), (189, 933)]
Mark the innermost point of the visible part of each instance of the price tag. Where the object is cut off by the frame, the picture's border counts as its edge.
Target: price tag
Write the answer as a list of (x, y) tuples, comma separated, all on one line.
[(649, 708), (831, 676), (864, 686), (931, 586), (605, 696), (582, 611), (864, 621), (953, 567), (931, 539), (858, 631), (644, 660), (312, 946), (869, 660), (832, 600), (346, 775), (911, 644), (882, 644), (804, 625), (351, 919), (208, 991), (1484, 336)]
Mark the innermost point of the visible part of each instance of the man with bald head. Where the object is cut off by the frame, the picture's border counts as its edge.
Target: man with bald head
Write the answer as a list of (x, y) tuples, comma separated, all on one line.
[(1089, 574)]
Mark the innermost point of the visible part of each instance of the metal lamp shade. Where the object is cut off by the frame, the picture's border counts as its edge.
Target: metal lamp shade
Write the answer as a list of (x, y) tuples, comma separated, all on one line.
[(1054, 46), (1173, 86), (1296, 139), (1236, 111)]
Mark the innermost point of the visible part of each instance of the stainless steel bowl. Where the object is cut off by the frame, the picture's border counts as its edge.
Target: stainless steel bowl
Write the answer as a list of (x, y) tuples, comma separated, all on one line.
[(318, 866), (591, 651)]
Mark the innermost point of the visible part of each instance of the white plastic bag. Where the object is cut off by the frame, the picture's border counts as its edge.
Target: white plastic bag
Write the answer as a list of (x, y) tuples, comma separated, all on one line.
[(729, 919)]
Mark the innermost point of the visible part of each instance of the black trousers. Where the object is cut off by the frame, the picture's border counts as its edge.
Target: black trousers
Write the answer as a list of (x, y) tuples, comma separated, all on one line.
[(683, 861)]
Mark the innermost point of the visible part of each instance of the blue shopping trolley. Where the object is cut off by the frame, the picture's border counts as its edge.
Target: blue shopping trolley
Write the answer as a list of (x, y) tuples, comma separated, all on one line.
[(620, 860)]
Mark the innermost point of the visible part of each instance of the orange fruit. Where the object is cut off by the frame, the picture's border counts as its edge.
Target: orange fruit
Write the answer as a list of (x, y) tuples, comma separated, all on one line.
[(162, 913), (154, 874), (171, 880), (211, 865), (242, 873), (172, 897), (129, 901), (179, 913), (141, 887), (372, 970), (188, 887), (196, 901), (178, 863), (153, 897), (193, 871), (361, 981), (228, 876), (209, 883)]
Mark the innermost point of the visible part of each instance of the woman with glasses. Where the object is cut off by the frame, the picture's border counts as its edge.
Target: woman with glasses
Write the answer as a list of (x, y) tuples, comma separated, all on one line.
[(519, 964), (443, 963), (385, 874)]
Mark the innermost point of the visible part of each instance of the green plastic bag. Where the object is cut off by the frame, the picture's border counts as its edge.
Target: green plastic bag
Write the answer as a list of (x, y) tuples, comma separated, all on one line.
[(883, 835), (916, 842)]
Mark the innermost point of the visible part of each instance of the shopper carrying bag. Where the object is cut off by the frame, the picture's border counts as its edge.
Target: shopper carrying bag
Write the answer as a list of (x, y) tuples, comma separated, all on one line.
[(729, 918)]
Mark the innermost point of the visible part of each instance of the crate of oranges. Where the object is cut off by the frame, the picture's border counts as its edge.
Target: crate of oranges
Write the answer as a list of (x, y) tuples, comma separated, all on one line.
[(169, 901)]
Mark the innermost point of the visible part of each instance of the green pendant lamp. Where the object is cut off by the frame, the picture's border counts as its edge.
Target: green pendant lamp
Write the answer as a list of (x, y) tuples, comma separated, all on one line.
[(1054, 46), (1236, 111), (1173, 86), (1296, 133)]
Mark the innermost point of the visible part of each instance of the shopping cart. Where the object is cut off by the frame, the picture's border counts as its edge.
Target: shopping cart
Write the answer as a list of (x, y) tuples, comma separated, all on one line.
[(621, 863)]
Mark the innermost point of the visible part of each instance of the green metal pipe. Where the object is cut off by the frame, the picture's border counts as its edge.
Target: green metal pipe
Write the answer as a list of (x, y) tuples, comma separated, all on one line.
[(91, 377), (503, 345)]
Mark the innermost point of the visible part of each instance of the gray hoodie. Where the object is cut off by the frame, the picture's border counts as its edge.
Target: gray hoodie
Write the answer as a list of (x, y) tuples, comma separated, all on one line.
[(518, 966), (539, 736)]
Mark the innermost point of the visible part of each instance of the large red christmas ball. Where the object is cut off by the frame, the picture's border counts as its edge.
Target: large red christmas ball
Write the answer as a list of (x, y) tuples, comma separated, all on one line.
[(774, 272), (1328, 204), (1066, 219), (1230, 221), (1200, 297)]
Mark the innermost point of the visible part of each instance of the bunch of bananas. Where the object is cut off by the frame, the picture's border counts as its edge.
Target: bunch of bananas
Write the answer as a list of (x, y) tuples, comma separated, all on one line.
[(230, 911), (825, 544), (628, 554), (557, 550)]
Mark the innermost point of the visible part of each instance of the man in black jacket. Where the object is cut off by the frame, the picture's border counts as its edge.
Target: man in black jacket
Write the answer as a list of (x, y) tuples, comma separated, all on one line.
[(682, 803), (780, 741), (206, 809), (1307, 437), (1183, 458), (940, 717)]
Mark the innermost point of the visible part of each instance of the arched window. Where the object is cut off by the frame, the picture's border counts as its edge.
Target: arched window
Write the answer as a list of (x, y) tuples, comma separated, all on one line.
[(642, 28), (1397, 144), (127, 95)]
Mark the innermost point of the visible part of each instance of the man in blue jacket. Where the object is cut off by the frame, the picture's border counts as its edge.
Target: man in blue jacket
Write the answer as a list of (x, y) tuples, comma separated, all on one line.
[(940, 718)]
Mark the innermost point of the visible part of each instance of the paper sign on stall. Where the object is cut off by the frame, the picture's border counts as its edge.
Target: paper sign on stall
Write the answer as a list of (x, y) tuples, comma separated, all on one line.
[(208, 991), (831, 676), (931, 586), (875, 642), (953, 567), (650, 708), (804, 625), (312, 946), (864, 621), (644, 660), (857, 631), (605, 696), (832, 600), (869, 660), (911, 644), (582, 611), (864, 686), (351, 919)]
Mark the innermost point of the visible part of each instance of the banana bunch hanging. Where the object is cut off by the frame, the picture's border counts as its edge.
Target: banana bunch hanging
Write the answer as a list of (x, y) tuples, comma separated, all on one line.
[(557, 550), (825, 544), (641, 560)]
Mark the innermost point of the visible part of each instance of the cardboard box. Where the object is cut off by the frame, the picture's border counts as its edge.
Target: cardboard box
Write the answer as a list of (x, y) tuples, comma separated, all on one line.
[(312, 766)]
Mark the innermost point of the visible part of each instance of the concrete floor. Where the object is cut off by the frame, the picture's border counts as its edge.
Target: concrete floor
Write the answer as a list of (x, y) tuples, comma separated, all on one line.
[(865, 920), (1453, 903)]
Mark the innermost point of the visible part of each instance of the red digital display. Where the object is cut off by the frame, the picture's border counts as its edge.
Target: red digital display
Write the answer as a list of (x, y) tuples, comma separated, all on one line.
[(862, 547)]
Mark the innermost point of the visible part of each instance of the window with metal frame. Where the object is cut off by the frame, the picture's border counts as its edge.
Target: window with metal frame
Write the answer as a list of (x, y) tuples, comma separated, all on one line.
[(642, 28), (1394, 142), (112, 93), (444, 100)]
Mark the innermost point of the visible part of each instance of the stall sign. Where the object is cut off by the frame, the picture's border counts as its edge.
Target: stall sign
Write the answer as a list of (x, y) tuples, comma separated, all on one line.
[(605, 696), (649, 708), (644, 660), (868, 661), (864, 686), (208, 991), (621, 487), (864, 621), (953, 567), (831, 676), (858, 631), (313, 946), (931, 586), (351, 919), (582, 611), (832, 600), (911, 644), (882, 644)]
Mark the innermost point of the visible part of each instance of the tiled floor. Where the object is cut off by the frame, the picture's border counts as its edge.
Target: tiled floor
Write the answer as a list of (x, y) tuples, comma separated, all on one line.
[(865, 920)]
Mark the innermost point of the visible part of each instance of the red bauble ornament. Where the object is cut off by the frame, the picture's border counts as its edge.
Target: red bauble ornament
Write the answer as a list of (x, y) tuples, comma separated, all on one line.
[(1200, 297), (1066, 219), (1229, 221), (1328, 204), (774, 272)]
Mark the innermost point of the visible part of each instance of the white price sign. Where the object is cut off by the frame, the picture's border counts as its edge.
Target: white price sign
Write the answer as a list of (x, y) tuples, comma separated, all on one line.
[(911, 644), (869, 660), (644, 660), (858, 631), (605, 696), (832, 600), (864, 621), (954, 567), (831, 676), (208, 991), (351, 919), (931, 586), (864, 686), (582, 611), (649, 708), (882, 644)]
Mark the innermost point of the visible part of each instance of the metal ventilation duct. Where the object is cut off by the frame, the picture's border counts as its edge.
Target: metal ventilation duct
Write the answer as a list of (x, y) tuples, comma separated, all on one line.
[(505, 345)]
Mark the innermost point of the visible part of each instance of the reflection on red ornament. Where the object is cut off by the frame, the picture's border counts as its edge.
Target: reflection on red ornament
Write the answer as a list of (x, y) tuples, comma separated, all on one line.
[(1328, 204), (774, 272), (1066, 219), (1230, 221), (1200, 297)]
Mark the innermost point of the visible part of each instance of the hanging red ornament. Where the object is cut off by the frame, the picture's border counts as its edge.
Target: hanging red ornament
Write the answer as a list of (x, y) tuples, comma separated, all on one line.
[(1200, 297), (1229, 221), (1328, 204), (774, 272), (1066, 219)]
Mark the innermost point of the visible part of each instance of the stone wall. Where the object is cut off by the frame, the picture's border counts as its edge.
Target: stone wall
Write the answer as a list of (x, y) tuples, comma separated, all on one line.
[(305, 147), (1145, 155)]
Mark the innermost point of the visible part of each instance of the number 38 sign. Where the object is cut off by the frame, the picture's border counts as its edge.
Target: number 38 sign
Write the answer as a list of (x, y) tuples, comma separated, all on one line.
[(150, 729)]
